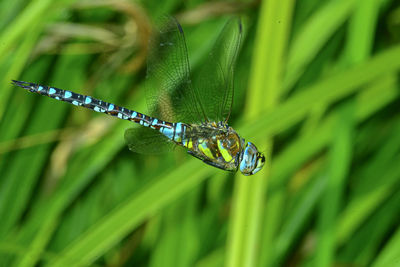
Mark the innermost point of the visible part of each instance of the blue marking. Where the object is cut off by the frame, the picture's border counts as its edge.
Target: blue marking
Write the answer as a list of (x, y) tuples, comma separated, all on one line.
[(67, 94), (248, 162), (178, 132), (144, 123), (96, 108), (168, 132), (119, 115), (102, 110), (134, 114), (110, 107), (179, 127), (57, 98), (52, 91), (40, 88), (204, 145), (125, 117), (88, 100), (76, 103), (244, 164)]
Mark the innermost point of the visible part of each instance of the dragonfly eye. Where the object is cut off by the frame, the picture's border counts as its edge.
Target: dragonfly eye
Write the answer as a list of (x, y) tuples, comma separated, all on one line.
[(252, 160), (260, 162)]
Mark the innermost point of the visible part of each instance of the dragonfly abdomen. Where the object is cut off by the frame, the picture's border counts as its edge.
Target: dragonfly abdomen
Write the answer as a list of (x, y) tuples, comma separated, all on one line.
[(173, 131), (95, 104)]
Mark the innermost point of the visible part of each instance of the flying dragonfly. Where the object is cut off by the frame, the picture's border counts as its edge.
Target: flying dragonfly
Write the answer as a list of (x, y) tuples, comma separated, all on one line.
[(192, 114)]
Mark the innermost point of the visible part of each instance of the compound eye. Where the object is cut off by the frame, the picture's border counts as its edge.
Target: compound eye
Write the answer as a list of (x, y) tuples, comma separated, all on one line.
[(249, 159)]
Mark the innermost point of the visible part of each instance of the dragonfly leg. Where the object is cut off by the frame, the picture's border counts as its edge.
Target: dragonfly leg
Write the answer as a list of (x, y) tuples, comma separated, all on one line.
[(219, 166)]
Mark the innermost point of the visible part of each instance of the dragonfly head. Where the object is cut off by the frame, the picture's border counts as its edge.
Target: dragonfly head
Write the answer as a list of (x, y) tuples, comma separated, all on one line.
[(252, 161)]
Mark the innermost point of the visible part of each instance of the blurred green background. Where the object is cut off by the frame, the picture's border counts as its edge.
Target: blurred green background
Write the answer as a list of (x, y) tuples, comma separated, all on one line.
[(317, 90)]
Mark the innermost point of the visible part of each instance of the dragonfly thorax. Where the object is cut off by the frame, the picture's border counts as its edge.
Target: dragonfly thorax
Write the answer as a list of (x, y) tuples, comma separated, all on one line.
[(216, 144)]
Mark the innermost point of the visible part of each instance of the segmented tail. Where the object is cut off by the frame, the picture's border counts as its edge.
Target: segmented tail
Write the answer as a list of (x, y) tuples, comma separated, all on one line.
[(87, 102), (173, 131)]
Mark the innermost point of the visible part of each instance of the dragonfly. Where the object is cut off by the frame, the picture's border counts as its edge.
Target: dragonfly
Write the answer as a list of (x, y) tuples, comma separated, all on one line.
[(186, 112)]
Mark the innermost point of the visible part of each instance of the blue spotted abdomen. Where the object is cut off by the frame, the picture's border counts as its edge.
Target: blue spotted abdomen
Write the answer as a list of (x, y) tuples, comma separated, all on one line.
[(173, 131)]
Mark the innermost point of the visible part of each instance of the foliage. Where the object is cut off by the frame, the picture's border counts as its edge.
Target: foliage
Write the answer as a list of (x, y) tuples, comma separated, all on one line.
[(316, 88)]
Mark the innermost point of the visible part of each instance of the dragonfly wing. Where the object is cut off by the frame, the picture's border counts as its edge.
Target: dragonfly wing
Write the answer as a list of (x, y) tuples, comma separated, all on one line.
[(216, 76), (170, 95), (147, 141)]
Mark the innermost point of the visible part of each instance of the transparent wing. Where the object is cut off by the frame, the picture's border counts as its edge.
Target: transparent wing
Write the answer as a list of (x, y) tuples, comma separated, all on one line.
[(147, 141), (215, 80), (169, 93)]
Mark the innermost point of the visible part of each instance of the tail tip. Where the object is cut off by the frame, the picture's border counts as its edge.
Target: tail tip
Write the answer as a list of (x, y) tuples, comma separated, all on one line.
[(14, 82), (22, 84)]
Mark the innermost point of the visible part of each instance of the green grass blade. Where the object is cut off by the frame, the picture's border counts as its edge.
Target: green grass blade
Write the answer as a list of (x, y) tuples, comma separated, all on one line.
[(328, 90), (390, 256), (31, 15), (276, 121), (263, 93), (338, 171), (120, 222), (314, 35), (72, 194)]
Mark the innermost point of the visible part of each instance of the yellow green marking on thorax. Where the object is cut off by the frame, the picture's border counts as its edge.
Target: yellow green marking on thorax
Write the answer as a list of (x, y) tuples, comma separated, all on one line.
[(221, 146)]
